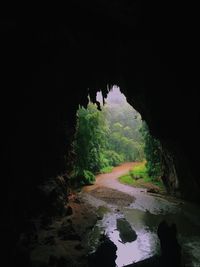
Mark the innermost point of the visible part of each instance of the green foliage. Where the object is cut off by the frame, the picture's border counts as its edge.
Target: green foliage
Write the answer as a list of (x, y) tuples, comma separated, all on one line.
[(106, 169), (88, 177), (83, 177), (113, 157), (139, 171), (90, 139), (112, 136), (108, 137), (124, 128), (138, 177), (152, 151), (127, 179)]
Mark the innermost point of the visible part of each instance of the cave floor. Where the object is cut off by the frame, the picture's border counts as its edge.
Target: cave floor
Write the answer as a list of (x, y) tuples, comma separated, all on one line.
[(96, 209), (143, 211)]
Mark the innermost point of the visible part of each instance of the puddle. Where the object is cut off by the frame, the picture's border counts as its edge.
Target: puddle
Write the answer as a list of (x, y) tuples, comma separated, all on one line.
[(144, 215), (147, 243), (144, 246)]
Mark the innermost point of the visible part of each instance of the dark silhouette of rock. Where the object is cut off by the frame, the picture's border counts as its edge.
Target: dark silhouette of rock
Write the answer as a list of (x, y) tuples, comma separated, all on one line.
[(153, 190), (126, 233), (170, 248), (105, 254), (54, 59)]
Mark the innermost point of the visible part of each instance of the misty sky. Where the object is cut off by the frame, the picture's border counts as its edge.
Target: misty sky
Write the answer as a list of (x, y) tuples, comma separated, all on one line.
[(114, 96)]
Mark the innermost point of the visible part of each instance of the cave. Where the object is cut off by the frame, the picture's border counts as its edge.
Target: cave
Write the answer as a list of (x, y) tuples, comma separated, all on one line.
[(51, 61)]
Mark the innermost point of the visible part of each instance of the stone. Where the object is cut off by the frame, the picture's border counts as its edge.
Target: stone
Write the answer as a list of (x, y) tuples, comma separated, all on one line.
[(153, 190), (105, 255), (170, 248), (126, 233)]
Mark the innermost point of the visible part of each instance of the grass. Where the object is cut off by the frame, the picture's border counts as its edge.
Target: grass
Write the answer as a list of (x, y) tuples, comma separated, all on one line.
[(106, 169), (138, 177), (139, 171)]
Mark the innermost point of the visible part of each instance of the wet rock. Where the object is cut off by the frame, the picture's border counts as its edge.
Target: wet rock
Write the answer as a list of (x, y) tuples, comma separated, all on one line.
[(99, 217), (126, 233), (53, 195), (170, 248), (105, 254), (153, 190), (100, 212)]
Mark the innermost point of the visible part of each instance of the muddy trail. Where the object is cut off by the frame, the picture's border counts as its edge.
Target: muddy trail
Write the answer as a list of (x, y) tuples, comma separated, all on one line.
[(110, 180), (142, 211)]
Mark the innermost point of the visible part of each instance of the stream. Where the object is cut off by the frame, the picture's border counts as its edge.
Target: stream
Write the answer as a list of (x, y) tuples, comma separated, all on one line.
[(143, 215)]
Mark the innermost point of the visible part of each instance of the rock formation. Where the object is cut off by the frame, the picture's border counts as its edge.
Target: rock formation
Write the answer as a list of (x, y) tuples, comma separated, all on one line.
[(51, 61)]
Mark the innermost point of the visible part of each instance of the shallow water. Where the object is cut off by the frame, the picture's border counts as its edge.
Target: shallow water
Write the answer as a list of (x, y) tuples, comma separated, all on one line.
[(144, 219), (144, 216)]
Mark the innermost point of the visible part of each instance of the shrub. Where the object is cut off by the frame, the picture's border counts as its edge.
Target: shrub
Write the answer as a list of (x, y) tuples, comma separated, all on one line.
[(106, 169), (113, 157), (88, 177)]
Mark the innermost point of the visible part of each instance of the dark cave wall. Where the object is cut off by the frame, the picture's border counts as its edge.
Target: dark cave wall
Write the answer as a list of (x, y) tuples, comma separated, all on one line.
[(51, 61)]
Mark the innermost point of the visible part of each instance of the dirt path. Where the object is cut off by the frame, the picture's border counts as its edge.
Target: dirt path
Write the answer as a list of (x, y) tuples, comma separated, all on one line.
[(110, 180), (109, 189)]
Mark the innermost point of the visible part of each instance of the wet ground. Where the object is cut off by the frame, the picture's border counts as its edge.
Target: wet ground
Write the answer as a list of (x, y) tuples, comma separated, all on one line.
[(143, 212)]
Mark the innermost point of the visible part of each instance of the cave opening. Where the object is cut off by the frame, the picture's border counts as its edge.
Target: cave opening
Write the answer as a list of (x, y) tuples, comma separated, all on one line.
[(131, 195), (49, 63), (116, 159), (109, 133)]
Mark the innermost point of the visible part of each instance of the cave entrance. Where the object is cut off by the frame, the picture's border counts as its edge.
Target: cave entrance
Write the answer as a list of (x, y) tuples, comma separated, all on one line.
[(111, 133), (120, 165), (117, 162)]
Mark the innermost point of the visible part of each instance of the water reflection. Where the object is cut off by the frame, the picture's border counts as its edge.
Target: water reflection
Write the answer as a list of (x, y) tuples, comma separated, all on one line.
[(144, 216), (146, 244), (135, 251)]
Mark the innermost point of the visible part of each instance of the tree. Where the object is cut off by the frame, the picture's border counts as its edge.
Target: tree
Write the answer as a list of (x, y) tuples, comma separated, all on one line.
[(90, 140), (152, 149), (108, 137)]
